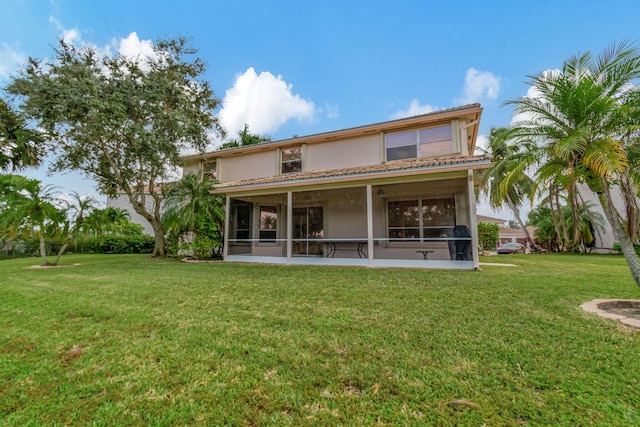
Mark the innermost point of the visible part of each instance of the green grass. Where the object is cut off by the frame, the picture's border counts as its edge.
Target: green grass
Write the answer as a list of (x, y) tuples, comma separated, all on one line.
[(128, 340)]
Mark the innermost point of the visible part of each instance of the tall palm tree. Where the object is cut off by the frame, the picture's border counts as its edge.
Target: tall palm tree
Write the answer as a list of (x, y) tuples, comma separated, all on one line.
[(581, 120), (495, 186)]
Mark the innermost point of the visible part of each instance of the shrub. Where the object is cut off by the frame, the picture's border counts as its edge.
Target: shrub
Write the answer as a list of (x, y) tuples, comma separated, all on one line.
[(488, 235), (112, 244)]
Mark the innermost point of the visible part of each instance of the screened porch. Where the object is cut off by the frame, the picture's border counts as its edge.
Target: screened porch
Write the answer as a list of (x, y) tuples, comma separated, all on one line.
[(423, 224)]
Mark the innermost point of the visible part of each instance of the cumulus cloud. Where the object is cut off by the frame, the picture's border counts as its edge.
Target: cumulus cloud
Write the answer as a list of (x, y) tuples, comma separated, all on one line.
[(264, 102), (132, 47), (415, 109), (10, 59), (479, 85)]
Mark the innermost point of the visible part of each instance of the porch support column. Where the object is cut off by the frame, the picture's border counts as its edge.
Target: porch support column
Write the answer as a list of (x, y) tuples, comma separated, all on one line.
[(473, 224), (289, 225), (225, 241), (370, 224)]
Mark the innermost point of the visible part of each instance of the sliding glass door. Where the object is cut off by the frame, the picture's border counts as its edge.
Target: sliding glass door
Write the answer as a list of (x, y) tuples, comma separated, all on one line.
[(308, 224)]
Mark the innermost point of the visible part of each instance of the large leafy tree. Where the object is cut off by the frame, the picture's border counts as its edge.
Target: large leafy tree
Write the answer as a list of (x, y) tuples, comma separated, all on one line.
[(20, 146), (583, 121), (122, 121)]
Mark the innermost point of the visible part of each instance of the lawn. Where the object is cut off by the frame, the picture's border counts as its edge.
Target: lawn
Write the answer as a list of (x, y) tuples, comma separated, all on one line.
[(128, 340)]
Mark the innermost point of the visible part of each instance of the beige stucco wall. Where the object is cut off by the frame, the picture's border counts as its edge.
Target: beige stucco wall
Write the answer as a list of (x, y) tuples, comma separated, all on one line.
[(248, 166), (362, 151), (193, 167)]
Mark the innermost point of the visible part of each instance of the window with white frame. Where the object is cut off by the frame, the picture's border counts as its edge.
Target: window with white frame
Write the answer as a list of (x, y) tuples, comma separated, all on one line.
[(268, 224), (415, 220), (427, 142), (210, 170), (291, 160)]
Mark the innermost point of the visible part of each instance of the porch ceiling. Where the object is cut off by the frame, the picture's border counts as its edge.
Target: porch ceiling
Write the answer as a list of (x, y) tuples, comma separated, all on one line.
[(396, 168)]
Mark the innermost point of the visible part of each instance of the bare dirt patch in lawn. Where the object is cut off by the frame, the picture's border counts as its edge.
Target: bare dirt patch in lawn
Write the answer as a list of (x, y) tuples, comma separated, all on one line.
[(36, 267)]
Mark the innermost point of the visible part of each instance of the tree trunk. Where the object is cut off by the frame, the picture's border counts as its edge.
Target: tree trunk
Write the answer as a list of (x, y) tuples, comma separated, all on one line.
[(595, 225), (623, 239), (516, 213), (556, 226), (159, 249), (573, 203), (630, 194), (61, 251), (43, 250), (563, 223)]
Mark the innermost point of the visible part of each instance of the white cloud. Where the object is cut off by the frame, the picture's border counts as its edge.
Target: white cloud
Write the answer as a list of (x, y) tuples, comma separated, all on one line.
[(333, 111), (479, 85), (414, 109), (482, 142), (264, 102), (10, 59), (132, 47)]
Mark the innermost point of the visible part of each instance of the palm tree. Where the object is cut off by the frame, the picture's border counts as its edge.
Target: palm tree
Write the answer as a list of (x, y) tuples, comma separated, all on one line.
[(581, 120), (495, 186), (81, 207), (193, 213), (32, 208)]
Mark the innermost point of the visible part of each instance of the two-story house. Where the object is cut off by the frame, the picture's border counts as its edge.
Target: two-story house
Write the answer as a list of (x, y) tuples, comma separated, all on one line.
[(398, 193)]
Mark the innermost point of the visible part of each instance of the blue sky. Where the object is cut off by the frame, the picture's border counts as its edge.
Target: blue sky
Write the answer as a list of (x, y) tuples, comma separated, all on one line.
[(301, 67)]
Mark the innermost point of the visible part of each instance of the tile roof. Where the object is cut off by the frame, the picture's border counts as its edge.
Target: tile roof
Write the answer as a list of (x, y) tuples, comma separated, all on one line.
[(391, 166)]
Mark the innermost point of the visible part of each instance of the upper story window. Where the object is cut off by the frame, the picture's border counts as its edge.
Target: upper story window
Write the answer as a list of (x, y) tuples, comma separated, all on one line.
[(291, 160), (428, 142), (210, 170)]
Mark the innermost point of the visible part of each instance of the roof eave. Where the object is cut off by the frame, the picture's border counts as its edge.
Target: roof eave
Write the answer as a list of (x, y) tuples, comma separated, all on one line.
[(381, 175)]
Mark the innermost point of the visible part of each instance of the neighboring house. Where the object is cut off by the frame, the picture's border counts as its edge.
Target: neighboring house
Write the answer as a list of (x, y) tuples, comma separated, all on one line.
[(398, 193), (603, 232), (507, 234), (121, 201)]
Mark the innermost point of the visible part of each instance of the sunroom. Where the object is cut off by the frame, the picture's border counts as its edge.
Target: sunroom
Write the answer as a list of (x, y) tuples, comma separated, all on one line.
[(402, 213)]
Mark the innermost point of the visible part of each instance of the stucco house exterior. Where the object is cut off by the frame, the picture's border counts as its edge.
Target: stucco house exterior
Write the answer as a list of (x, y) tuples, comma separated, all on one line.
[(508, 234), (397, 193)]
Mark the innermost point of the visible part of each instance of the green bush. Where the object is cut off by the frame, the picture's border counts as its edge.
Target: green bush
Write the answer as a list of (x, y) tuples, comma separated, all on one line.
[(120, 245), (488, 235)]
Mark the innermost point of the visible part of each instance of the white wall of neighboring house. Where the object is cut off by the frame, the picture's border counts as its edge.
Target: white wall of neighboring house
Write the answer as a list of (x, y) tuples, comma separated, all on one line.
[(605, 237), (122, 202)]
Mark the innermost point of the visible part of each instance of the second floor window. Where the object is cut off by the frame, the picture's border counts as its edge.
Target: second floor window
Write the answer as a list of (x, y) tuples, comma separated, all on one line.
[(428, 142), (291, 160), (210, 170)]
